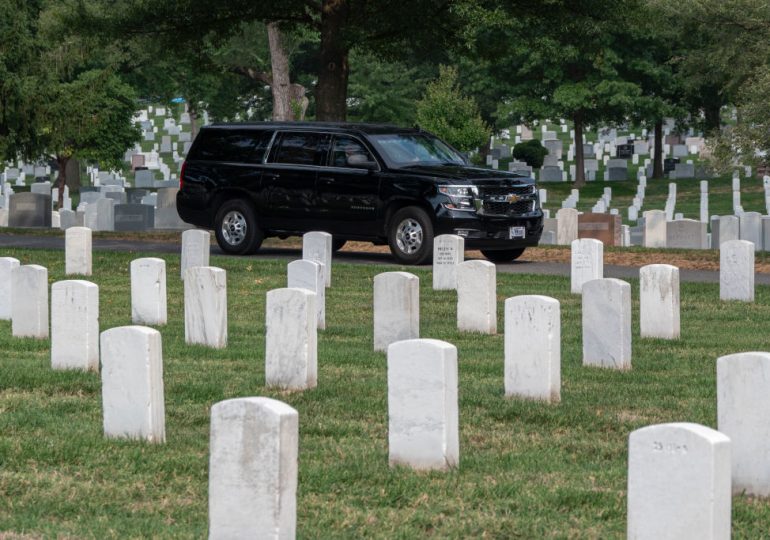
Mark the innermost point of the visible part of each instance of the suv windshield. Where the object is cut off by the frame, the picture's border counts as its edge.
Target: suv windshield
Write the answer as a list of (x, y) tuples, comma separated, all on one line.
[(405, 149)]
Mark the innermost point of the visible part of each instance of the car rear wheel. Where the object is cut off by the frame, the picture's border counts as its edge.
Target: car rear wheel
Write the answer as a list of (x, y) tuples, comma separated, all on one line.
[(410, 235), (236, 228), (502, 255)]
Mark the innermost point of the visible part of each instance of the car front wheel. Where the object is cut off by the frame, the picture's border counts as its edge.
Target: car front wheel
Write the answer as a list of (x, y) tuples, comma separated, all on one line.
[(410, 235), (236, 229)]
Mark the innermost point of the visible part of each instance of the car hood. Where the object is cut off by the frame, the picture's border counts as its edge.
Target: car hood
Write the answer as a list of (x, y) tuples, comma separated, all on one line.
[(474, 175)]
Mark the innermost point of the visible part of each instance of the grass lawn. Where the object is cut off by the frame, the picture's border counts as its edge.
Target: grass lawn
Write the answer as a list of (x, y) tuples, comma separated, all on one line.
[(526, 470)]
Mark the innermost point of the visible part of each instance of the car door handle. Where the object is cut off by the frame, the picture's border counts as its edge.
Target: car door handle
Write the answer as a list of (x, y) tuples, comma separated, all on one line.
[(272, 176), (327, 179)]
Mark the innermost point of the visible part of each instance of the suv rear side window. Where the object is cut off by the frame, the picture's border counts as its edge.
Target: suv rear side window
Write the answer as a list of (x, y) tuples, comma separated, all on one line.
[(298, 149), (239, 145)]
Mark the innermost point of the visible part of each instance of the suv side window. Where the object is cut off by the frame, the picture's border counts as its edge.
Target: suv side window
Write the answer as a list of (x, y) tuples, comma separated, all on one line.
[(237, 145), (346, 147), (298, 148)]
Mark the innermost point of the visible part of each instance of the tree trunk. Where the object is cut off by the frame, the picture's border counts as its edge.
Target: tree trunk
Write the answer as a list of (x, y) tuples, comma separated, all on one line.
[(332, 90), (713, 117), (657, 160), (281, 84), (61, 181), (580, 175)]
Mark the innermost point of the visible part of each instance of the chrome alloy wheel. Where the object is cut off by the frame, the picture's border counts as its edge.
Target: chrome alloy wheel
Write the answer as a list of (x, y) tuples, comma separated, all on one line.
[(234, 228), (409, 236)]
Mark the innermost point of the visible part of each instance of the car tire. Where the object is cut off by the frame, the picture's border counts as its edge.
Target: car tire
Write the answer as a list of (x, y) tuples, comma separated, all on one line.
[(236, 228), (337, 244), (410, 235), (502, 255)]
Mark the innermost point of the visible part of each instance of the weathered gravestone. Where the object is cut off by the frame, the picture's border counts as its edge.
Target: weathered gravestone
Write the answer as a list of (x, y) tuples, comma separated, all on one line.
[(119, 197), (477, 297), (254, 449), (607, 323), (144, 178), (654, 228), (423, 417), (196, 248), (625, 151), (43, 188), (396, 308), (132, 384), (29, 210), (659, 301), (205, 306), (736, 270), (135, 195), (67, 219), (686, 234), (309, 275), (750, 224), (533, 348), (448, 253), (134, 217), (29, 301), (743, 407), (317, 246), (678, 483), (75, 325), (615, 174), (566, 226), (729, 229), (550, 173), (148, 291), (100, 215), (7, 266), (77, 251), (603, 227), (587, 263), (291, 350), (683, 170)]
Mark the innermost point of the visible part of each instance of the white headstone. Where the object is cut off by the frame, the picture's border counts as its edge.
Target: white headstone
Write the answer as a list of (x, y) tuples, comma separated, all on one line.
[(196, 248), (533, 348), (678, 483), (423, 417), (751, 228), (77, 251), (396, 308), (305, 274), (148, 291), (566, 226), (654, 228), (736, 270), (659, 301), (477, 297), (205, 306), (607, 323), (317, 246), (75, 325), (7, 265), (132, 384), (728, 229), (253, 455), (29, 301), (291, 350), (743, 407), (448, 252), (587, 262)]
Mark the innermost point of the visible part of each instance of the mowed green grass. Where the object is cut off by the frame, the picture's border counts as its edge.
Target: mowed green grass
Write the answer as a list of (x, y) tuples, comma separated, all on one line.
[(527, 469)]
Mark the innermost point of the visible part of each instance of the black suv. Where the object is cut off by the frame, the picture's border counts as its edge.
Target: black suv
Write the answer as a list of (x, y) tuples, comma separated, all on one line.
[(376, 183)]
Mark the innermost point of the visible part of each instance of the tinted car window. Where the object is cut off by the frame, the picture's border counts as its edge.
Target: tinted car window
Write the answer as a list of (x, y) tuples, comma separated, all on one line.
[(239, 145), (348, 147), (298, 149)]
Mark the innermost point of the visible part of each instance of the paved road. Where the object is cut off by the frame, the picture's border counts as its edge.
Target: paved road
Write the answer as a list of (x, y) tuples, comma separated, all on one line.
[(517, 267)]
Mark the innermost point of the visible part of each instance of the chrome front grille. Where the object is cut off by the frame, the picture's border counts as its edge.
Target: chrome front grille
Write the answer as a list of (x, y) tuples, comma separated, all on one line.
[(506, 200)]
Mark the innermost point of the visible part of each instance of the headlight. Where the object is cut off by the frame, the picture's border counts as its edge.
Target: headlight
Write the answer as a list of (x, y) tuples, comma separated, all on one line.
[(461, 197)]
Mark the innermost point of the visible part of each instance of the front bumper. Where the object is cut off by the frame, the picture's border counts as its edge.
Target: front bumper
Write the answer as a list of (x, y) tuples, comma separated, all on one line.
[(488, 232)]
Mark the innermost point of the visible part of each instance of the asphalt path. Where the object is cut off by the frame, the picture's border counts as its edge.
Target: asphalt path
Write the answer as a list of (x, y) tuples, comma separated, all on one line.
[(516, 267)]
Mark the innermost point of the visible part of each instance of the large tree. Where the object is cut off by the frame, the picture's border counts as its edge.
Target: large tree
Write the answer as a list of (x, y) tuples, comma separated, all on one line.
[(561, 60), (391, 28)]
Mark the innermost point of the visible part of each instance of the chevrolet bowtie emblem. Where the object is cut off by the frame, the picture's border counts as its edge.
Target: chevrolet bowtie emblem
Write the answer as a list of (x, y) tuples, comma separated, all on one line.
[(512, 198)]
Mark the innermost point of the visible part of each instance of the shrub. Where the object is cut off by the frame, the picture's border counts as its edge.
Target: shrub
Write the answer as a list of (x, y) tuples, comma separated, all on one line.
[(531, 152)]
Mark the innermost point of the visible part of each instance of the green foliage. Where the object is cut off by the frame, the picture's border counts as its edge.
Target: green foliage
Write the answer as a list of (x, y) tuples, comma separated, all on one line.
[(532, 152), (89, 118), (450, 115), (383, 91)]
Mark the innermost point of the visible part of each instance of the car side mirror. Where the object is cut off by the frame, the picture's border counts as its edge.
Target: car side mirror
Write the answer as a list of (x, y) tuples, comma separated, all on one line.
[(360, 161)]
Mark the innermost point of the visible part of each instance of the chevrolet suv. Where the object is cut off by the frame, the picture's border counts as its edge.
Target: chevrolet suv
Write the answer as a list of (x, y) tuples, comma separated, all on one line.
[(376, 183)]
